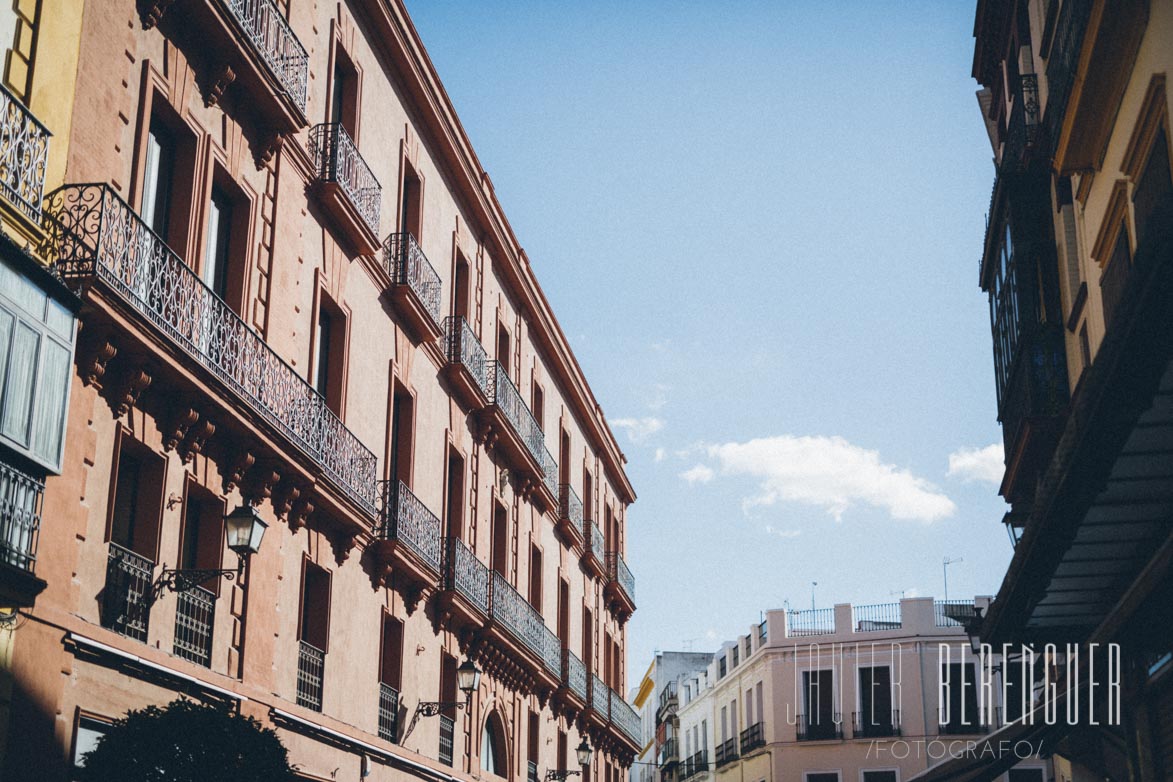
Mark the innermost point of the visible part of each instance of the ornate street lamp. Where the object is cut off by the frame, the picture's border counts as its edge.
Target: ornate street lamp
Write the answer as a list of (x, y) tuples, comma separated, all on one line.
[(468, 678), (245, 529), (583, 752)]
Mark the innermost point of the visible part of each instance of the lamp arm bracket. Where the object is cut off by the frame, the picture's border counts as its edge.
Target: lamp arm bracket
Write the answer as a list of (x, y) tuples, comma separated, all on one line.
[(432, 709), (185, 580)]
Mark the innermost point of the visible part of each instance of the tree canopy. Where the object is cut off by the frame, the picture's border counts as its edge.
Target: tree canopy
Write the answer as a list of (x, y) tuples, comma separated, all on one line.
[(186, 741)]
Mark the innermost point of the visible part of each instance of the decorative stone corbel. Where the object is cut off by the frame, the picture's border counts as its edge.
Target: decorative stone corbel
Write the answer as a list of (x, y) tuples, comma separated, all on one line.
[(196, 439), (131, 385), (151, 11), (237, 463), (178, 423), (216, 91)]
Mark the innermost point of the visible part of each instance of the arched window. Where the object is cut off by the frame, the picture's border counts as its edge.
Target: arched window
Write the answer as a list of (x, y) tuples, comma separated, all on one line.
[(493, 745)]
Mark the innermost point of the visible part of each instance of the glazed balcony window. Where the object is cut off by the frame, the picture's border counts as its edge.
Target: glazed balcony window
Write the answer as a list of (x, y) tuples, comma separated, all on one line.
[(346, 186), (96, 237), (36, 350), (24, 154)]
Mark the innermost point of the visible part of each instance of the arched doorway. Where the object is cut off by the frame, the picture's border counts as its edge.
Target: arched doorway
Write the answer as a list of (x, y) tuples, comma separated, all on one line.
[(494, 758)]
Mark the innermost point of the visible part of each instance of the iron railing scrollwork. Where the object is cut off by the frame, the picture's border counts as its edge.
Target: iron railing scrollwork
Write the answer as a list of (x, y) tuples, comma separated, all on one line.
[(126, 606), (466, 575), (508, 400), (574, 674), (1022, 128), (21, 496), (595, 543), (618, 571), (337, 160), (600, 698), (311, 666), (625, 718), (24, 155), (93, 233), (195, 615), (273, 39), (405, 262), (570, 507), (462, 347), (509, 609), (403, 517), (388, 712)]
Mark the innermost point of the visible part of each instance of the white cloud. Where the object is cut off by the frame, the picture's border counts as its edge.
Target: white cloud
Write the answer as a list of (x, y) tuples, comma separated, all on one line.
[(831, 473), (639, 429), (697, 474), (783, 533), (661, 455), (977, 464), (659, 397)]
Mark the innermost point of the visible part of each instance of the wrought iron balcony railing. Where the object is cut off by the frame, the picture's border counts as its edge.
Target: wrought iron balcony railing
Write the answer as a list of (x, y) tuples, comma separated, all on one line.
[(1063, 59), (508, 400), (816, 621), (462, 347), (407, 265), (24, 155), (337, 160), (574, 675), (1022, 129), (595, 543), (126, 597), (466, 575), (510, 610), (95, 234), (820, 727), (280, 50), (618, 572), (195, 617), (698, 763), (600, 698), (405, 519), (447, 739), (388, 712), (874, 618), (752, 737), (669, 752), (726, 753), (875, 724), (20, 516), (570, 507), (311, 666), (951, 722), (625, 718), (549, 467)]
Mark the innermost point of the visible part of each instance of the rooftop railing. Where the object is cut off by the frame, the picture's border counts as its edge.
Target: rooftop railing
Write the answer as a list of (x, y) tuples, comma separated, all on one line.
[(872, 618), (814, 621), (405, 519), (337, 160), (404, 260), (95, 234), (953, 613), (24, 155), (273, 39)]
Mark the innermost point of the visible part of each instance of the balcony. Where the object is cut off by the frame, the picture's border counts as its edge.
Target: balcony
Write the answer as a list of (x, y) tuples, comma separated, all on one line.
[(594, 551), (511, 429), (447, 739), (195, 617), (824, 727), (626, 719), (874, 725), (620, 589), (570, 522), (20, 523), (752, 737), (698, 763), (464, 596), (511, 612), (1063, 59), (726, 753), (248, 45), (24, 155), (1022, 129), (467, 366), (668, 702), (98, 241), (669, 753), (951, 722), (388, 712), (311, 666), (415, 287), (600, 700), (574, 677), (346, 186), (407, 539), (126, 607)]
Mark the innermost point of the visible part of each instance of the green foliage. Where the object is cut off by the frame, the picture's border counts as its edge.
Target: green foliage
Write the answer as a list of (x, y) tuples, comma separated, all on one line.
[(187, 741)]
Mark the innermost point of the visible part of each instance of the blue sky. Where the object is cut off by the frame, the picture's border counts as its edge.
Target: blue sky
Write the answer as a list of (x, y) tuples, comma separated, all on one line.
[(759, 224)]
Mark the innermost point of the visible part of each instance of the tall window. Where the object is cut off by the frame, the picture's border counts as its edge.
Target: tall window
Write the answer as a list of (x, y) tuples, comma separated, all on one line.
[(959, 712), (875, 700), (460, 289), (158, 176), (588, 496), (314, 627), (564, 612), (493, 745), (344, 93), (216, 259), (391, 652), (535, 578), (454, 499), (402, 434), (203, 532), (588, 634), (819, 694), (564, 457), (539, 404), (409, 207), (138, 498), (1154, 186), (503, 348), (501, 540)]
